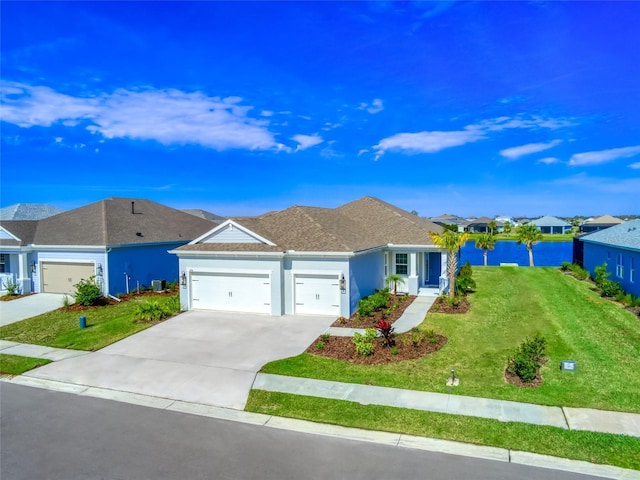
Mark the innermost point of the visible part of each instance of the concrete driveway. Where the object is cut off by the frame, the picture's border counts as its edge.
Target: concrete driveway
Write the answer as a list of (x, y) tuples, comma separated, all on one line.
[(203, 357), (29, 306)]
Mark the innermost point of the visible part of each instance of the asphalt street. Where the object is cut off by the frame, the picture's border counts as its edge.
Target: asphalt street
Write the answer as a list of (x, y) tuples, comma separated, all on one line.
[(52, 435)]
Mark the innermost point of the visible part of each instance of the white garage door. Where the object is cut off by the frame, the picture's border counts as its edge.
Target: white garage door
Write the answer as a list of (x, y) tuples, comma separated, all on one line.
[(231, 292), (317, 295), (60, 277)]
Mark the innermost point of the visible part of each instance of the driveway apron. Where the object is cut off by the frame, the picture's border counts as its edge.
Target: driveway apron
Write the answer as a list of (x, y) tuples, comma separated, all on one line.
[(202, 357)]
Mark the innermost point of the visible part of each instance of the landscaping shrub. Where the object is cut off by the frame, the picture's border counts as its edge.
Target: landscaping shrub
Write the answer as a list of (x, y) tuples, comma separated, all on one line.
[(12, 287), (88, 292), (365, 307), (464, 281), (579, 272), (600, 274), (172, 304), (564, 266), (526, 360), (376, 301), (364, 343), (150, 311), (386, 330), (610, 288)]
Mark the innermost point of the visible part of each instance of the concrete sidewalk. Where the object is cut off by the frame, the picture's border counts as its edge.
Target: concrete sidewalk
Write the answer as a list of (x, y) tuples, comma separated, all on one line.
[(505, 411), (38, 351)]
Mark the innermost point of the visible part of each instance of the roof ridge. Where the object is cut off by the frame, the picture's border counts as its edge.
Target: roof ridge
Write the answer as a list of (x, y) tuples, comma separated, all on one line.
[(105, 236), (322, 227)]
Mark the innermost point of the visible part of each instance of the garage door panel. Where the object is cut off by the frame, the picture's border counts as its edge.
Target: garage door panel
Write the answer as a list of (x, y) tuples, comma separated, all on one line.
[(317, 295), (231, 292), (60, 277)]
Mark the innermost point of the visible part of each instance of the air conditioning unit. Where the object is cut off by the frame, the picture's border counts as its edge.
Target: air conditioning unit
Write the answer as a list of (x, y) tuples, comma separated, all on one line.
[(158, 285)]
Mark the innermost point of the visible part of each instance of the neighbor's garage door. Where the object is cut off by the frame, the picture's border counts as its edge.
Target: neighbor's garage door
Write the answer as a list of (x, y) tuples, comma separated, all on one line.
[(231, 292), (317, 295), (60, 277)]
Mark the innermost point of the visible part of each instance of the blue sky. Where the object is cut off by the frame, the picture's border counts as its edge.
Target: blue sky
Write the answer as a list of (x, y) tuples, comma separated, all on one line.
[(472, 108)]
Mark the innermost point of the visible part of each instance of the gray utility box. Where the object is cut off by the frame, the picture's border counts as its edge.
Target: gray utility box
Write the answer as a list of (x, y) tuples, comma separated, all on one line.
[(158, 285)]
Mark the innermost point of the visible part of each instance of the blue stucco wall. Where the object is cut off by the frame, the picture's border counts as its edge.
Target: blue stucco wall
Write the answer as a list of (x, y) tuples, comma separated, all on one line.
[(142, 264), (596, 254), (366, 274)]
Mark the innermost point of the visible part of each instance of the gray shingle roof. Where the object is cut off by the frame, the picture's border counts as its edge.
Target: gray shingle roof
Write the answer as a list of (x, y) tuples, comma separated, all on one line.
[(360, 225), (28, 211), (625, 235), (604, 220), (111, 222), (549, 221)]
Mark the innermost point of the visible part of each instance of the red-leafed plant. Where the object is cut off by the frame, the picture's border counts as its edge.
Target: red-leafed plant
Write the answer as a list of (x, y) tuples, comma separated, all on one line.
[(386, 330)]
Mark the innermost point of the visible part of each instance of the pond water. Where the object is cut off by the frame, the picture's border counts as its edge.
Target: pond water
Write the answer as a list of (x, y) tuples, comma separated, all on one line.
[(545, 254)]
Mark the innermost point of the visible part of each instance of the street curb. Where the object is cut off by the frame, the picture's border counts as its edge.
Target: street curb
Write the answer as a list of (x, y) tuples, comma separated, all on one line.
[(335, 431)]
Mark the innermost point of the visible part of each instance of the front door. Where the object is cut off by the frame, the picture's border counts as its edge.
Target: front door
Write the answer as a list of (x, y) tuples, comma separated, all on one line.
[(432, 268)]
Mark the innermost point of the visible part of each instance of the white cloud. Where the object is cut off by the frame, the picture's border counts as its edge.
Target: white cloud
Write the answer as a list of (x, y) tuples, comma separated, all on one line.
[(376, 106), (603, 156), (549, 160), (431, 142), (517, 152), (306, 141), (426, 142), (362, 151), (635, 166), (166, 116)]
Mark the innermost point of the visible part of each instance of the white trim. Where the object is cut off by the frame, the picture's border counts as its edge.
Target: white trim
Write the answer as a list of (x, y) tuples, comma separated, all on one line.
[(231, 223), (10, 234), (231, 271), (44, 248), (218, 253)]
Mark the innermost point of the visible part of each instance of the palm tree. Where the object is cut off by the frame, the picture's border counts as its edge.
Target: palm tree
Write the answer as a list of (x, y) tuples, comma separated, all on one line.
[(452, 242), (396, 280), (506, 228), (492, 226), (486, 242), (529, 235)]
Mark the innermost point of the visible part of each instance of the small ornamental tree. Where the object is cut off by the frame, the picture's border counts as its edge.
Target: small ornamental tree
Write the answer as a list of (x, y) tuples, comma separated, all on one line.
[(396, 280), (528, 235), (485, 242), (386, 330)]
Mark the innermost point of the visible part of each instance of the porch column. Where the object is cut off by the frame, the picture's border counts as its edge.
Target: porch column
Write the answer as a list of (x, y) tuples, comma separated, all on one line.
[(413, 274), (24, 280)]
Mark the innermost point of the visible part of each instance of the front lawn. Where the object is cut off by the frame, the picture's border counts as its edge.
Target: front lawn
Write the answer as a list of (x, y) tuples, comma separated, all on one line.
[(620, 450), (60, 328), (15, 365), (512, 303)]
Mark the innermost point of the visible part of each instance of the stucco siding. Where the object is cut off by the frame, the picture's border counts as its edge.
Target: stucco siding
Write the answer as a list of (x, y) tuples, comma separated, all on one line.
[(596, 254), (141, 264), (366, 276)]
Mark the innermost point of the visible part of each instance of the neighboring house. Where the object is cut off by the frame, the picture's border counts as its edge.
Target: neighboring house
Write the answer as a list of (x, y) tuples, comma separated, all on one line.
[(619, 247), (481, 225), (217, 219), (122, 242), (549, 224), (28, 211), (447, 219), (309, 260), (599, 223)]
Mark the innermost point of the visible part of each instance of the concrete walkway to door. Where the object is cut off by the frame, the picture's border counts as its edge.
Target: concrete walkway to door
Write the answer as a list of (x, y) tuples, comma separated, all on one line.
[(201, 357), (30, 306)]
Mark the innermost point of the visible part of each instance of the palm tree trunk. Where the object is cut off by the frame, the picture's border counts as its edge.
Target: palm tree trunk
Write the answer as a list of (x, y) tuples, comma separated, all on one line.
[(452, 265), (530, 249), (485, 257)]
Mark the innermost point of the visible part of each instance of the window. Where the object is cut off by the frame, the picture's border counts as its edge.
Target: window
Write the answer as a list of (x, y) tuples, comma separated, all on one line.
[(401, 263), (619, 266), (632, 270), (2, 262)]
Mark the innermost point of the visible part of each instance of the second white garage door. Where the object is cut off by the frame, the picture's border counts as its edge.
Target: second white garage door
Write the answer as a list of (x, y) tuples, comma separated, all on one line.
[(231, 292), (317, 295)]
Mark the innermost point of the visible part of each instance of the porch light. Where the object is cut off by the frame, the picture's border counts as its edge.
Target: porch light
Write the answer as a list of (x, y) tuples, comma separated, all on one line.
[(99, 270), (343, 283), (34, 267), (183, 278)]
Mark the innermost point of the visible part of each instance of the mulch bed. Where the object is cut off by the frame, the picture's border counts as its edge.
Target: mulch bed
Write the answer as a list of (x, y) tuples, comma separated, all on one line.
[(441, 306), (369, 322), (518, 382), (104, 301), (342, 348), (8, 298)]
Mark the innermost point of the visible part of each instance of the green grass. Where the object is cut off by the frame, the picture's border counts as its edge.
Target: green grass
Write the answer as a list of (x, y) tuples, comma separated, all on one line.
[(15, 365), (602, 448), (60, 328), (512, 303)]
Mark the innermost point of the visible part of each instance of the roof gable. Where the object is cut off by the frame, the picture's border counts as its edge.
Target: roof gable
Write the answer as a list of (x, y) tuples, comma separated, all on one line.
[(549, 221), (28, 211), (232, 233), (625, 235), (604, 220)]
